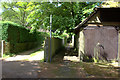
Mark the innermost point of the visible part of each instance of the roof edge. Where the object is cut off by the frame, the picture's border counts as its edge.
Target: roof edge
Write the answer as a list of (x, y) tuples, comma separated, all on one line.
[(86, 20)]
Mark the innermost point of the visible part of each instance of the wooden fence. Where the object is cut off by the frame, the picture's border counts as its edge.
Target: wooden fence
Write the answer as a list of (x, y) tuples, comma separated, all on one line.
[(56, 45)]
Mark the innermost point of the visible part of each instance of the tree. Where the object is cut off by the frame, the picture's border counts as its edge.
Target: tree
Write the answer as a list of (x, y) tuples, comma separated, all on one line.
[(15, 12), (66, 15)]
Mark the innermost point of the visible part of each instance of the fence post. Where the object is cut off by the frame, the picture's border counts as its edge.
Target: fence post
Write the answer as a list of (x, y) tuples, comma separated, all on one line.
[(72, 40), (2, 48)]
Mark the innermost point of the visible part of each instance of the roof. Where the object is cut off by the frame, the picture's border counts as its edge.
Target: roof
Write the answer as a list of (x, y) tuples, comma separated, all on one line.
[(106, 15)]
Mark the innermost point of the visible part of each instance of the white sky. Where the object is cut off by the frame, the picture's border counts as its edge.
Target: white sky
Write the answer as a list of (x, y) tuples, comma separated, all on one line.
[(0, 4), (0, 9)]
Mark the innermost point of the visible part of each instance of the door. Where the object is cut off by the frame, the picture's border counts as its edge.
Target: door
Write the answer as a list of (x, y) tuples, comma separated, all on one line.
[(104, 39)]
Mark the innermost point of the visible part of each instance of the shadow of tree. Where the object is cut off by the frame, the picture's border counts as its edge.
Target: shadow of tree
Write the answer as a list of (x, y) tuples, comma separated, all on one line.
[(20, 69)]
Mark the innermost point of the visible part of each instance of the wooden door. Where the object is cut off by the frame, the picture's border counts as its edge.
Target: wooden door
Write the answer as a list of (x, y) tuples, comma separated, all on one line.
[(106, 36)]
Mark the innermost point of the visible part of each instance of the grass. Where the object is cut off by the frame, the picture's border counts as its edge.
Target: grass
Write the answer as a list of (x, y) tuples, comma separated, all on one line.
[(7, 55)]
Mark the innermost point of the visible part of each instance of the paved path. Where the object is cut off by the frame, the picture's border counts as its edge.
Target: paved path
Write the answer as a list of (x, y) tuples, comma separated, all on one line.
[(64, 69), (39, 56), (23, 65), (59, 68), (20, 69)]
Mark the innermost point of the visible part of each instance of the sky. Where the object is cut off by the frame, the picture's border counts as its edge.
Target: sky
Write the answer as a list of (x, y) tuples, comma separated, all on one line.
[(0, 9)]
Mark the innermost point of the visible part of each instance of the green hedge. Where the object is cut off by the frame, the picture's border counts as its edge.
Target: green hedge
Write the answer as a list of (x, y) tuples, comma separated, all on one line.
[(14, 34), (0, 31)]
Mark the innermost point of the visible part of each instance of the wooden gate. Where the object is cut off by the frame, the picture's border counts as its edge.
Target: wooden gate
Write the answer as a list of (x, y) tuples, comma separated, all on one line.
[(104, 39)]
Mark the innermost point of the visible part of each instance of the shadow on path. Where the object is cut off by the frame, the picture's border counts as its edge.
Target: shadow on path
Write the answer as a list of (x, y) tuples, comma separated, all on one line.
[(20, 69), (58, 68)]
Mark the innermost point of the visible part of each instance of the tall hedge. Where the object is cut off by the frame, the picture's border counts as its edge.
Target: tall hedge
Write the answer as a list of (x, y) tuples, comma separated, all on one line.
[(14, 33), (18, 37), (0, 31)]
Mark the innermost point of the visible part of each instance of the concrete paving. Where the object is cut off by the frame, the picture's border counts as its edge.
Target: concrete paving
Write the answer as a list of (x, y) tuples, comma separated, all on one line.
[(20, 69), (59, 68), (38, 56)]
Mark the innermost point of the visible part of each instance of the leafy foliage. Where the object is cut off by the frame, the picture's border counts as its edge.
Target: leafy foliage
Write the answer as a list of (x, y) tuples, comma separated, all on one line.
[(66, 15), (15, 12), (18, 38), (14, 33), (0, 31)]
